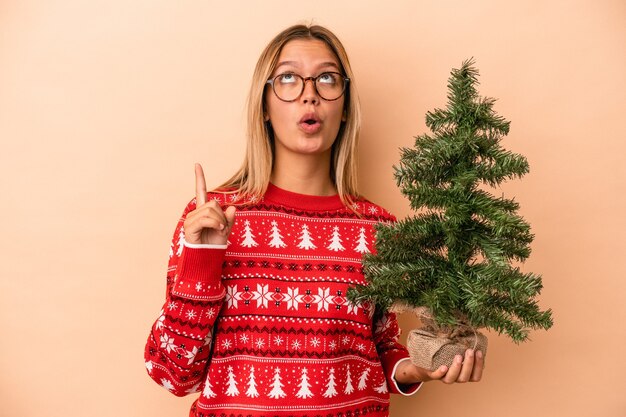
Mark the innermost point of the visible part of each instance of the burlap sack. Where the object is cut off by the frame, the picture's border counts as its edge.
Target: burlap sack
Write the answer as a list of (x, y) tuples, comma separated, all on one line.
[(433, 346)]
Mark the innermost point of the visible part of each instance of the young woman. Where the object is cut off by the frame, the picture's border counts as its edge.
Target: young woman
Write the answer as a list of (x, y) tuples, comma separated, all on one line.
[(256, 317)]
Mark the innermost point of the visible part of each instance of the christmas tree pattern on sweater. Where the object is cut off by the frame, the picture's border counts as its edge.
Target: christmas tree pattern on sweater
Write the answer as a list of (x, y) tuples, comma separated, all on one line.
[(264, 327)]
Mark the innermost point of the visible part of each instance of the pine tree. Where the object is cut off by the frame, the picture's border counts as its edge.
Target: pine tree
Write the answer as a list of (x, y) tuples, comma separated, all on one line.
[(330, 385), (305, 239), (252, 391), (335, 241), (363, 379), (208, 392), (455, 256), (349, 389), (361, 246), (277, 386), (305, 386), (248, 237), (231, 383), (180, 243), (277, 239), (382, 388)]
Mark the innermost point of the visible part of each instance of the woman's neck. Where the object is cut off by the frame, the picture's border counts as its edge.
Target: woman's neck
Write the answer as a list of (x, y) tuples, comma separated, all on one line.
[(304, 175)]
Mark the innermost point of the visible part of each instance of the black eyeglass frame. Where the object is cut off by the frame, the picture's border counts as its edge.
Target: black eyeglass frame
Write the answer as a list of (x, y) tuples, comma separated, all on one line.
[(304, 80)]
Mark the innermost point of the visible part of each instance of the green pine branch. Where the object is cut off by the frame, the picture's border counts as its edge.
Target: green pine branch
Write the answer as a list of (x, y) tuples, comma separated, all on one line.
[(455, 256)]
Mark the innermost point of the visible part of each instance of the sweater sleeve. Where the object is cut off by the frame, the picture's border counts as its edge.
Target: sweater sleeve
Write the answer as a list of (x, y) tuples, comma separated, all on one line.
[(386, 334), (179, 345)]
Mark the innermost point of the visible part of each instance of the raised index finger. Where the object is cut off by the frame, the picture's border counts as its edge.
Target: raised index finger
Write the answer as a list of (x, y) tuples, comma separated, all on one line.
[(200, 186)]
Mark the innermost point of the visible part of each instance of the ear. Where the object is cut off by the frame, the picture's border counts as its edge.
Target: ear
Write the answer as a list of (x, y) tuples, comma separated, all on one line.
[(344, 116), (266, 117)]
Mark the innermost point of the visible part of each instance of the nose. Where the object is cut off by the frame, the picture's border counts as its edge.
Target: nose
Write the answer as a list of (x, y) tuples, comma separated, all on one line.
[(309, 95)]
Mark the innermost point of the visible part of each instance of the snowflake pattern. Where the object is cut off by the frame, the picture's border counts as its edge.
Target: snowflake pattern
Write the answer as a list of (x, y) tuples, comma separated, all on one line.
[(262, 295), (191, 314), (323, 299), (352, 308), (291, 298), (167, 384), (191, 355), (232, 296), (315, 342), (167, 342), (278, 340), (382, 324), (244, 338), (161, 321)]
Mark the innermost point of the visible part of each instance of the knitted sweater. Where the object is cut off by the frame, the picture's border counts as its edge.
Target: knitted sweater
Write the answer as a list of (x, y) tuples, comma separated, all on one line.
[(261, 327)]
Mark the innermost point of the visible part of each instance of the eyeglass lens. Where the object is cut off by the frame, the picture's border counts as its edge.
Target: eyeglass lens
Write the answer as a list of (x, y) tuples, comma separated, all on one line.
[(289, 87)]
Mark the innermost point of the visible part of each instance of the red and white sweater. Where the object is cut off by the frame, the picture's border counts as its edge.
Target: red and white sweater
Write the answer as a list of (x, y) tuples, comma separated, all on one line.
[(262, 326)]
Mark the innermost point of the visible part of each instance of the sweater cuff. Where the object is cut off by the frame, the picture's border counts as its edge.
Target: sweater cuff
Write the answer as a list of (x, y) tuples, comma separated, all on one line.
[(404, 389), (197, 264), (203, 245), (391, 360), (199, 273)]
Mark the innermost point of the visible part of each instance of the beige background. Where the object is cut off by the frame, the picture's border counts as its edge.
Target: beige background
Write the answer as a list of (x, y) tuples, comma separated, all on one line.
[(106, 105)]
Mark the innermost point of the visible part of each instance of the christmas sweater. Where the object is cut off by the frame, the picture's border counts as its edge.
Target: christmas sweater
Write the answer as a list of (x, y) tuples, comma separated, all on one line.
[(261, 327)]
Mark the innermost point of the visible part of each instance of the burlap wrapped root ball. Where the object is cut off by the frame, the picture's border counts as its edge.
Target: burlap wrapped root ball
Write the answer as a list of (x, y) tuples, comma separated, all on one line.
[(432, 345)]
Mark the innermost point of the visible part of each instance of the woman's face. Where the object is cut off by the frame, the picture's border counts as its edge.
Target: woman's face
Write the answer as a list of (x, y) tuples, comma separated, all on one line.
[(308, 125)]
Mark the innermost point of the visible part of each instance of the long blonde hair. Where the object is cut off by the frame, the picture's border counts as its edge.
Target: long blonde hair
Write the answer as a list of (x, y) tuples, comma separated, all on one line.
[(253, 177)]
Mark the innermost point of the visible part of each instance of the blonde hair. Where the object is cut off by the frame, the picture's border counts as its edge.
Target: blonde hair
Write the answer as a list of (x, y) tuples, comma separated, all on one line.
[(253, 177)]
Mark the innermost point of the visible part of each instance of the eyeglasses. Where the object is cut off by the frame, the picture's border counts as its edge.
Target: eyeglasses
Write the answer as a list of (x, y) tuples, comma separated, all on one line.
[(290, 86)]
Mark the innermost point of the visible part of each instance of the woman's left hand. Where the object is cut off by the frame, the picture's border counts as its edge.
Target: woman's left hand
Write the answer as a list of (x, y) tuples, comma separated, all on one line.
[(462, 370)]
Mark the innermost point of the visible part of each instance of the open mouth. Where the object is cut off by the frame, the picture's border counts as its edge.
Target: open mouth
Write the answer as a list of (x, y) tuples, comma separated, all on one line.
[(310, 124)]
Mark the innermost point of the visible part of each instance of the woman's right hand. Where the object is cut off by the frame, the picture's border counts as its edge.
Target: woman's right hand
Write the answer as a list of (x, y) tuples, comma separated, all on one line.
[(208, 223)]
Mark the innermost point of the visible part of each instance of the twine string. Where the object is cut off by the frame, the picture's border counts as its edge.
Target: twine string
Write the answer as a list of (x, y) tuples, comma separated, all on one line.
[(421, 313)]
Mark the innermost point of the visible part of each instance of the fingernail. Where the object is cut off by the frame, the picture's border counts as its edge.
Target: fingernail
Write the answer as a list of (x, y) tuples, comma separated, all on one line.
[(479, 354), (470, 353), (221, 227), (458, 358), (443, 368)]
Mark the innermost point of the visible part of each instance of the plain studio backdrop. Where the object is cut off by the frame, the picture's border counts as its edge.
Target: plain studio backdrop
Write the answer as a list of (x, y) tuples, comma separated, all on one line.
[(106, 105)]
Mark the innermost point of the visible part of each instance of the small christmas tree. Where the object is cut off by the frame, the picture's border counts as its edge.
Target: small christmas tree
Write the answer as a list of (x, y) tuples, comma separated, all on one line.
[(331, 385), (248, 237), (277, 238), (362, 242), (305, 386), (349, 389), (231, 383), (277, 386), (252, 391), (335, 240), (363, 379), (305, 239), (453, 260)]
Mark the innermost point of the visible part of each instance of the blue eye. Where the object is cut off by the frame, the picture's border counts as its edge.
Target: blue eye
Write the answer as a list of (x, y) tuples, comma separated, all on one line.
[(287, 79), (327, 78)]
